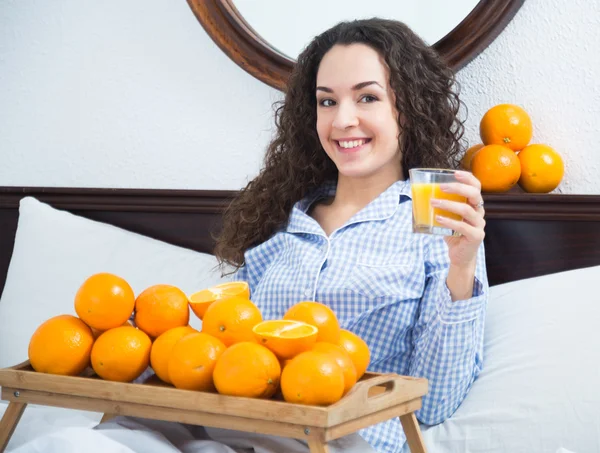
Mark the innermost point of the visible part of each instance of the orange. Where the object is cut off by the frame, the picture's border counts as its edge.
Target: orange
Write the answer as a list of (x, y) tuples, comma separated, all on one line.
[(121, 354), (201, 300), (497, 168), (231, 320), (193, 361), (542, 169), (465, 162), (247, 369), (506, 124), (343, 360), (61, 345), (160, 308), (357, 349), (104, 301), (318, 315), (313, 378), (286, 338), (97, 332), (162, 348), (284, 362)]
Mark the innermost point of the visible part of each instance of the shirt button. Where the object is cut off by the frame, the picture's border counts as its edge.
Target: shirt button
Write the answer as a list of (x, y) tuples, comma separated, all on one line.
[(308, 293)]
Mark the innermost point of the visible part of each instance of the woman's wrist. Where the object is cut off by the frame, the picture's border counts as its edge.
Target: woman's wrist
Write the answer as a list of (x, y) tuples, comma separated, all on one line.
[(460, 280)]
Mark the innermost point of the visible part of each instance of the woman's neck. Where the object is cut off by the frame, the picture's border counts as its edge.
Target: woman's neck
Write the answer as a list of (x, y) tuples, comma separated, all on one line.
[(359, 192)]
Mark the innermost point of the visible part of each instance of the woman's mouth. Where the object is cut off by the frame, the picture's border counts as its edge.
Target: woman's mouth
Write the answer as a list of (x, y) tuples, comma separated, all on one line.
[(351, 145)]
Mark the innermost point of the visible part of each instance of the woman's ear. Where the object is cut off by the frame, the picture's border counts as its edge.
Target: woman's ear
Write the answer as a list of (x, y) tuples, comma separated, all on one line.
[(401, 120)]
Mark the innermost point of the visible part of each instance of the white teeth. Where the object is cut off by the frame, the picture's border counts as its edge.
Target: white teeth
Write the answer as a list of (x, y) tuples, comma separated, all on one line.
[(352, 143)]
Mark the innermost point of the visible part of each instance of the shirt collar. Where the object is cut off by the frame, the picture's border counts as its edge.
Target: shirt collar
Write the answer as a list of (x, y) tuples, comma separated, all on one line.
[(382, 207)]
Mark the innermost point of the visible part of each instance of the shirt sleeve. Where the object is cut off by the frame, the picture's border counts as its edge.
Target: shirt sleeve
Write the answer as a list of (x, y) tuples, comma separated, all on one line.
[(243, 274), (448, 336), (240, 274), (257, 260)]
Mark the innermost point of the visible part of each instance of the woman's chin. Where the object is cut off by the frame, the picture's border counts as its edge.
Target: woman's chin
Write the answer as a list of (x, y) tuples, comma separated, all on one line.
[(354, 171), (359, 170)]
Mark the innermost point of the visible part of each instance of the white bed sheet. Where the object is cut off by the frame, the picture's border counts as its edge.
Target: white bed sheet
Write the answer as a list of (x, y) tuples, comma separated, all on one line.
[(39, 420), (539, 390), (49, 430)]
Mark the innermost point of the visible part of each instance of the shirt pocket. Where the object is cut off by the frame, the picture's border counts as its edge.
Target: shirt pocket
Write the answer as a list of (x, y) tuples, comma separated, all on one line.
[(399, 276)]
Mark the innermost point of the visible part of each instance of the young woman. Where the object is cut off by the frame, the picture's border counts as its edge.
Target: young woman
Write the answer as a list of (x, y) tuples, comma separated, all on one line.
[(329, 217)]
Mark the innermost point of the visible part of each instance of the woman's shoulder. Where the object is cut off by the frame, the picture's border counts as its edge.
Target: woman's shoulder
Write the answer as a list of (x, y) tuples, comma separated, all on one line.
[(266, 251), (324, 191)]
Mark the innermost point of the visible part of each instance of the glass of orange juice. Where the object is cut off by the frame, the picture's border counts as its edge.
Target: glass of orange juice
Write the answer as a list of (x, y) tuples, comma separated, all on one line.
[(425, 185)]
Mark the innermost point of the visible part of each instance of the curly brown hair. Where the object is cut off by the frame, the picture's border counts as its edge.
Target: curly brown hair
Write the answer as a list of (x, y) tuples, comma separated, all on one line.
[(426, 93)]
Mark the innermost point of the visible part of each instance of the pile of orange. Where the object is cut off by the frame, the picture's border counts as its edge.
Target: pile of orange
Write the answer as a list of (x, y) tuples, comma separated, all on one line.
[(506, 158), (305, 356), (102, 335)]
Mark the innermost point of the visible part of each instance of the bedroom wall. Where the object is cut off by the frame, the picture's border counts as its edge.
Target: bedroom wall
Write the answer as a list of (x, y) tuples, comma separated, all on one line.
[(135, 94)]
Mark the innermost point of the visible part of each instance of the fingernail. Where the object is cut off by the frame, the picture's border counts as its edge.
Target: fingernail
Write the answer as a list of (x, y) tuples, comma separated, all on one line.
[(460, 174), (436, 202), (445, 187), (440, 218)]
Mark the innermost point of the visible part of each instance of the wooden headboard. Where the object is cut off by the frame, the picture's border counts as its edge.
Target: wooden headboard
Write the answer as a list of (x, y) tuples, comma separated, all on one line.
[(526, 235)]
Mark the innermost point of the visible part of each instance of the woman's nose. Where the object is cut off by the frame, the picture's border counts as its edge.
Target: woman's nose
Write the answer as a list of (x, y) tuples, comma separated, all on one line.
[(345, 116)]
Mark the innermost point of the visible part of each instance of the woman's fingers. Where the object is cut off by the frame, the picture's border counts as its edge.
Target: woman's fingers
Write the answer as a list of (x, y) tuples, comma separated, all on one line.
[(472, 224), (470, 214), (469, 232), (468, 178), (471, 192)]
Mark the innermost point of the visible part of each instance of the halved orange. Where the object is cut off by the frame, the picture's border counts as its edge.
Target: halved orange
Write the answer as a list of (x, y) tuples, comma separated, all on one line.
[(286, 338), (201, 300)]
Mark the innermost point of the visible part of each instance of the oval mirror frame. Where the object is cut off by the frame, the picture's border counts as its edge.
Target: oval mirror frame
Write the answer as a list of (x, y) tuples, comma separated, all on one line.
[(228, 29)]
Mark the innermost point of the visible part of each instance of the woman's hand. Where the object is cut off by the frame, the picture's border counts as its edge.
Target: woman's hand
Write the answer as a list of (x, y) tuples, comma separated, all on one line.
[(462, 250)]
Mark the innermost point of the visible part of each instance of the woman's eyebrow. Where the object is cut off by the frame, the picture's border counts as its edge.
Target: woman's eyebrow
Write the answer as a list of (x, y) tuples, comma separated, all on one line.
[(358, 86)]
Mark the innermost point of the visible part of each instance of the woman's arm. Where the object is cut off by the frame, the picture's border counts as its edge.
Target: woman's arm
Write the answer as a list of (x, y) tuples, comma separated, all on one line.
[(448, 334)]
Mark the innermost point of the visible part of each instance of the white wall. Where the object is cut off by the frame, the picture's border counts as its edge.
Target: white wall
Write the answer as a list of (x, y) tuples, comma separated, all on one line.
[(548, 61), (135, 94)]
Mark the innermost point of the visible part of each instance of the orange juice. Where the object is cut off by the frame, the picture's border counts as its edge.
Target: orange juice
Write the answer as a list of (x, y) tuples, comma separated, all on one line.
[(423, 213)]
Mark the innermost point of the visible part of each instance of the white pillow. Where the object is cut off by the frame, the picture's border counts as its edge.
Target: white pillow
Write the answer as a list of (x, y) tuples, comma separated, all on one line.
[(55, 251), (539, 390)]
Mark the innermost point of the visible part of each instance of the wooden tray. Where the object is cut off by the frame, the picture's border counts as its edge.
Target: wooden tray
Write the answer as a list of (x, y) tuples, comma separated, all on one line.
[(375, 398)]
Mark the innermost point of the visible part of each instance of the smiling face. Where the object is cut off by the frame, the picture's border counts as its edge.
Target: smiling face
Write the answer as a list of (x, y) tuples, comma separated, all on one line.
[(357, 122)]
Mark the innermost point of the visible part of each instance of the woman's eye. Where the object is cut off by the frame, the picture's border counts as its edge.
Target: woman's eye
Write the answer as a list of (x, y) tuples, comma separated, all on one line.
[(367, 98), (326, 102)]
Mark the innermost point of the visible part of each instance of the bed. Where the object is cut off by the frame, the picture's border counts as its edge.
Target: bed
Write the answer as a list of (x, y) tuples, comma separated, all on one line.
[(537, 393)]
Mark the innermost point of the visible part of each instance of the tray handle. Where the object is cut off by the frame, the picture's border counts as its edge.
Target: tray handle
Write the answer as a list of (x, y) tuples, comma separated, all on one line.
[(372, 390)]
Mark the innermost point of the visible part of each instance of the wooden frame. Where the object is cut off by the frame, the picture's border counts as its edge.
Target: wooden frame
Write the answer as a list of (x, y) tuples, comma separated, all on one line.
[(228, 29)]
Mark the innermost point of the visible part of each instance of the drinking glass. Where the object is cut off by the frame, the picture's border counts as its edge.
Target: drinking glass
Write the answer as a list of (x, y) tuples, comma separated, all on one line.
[(425, 185)]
